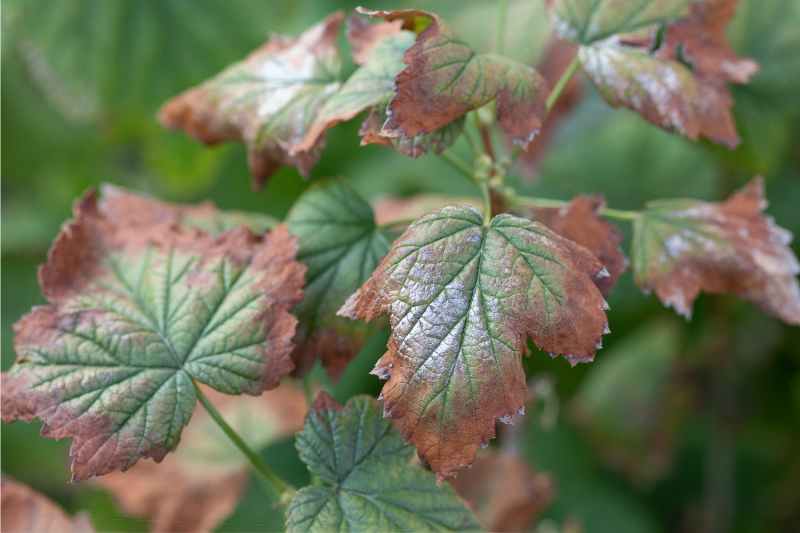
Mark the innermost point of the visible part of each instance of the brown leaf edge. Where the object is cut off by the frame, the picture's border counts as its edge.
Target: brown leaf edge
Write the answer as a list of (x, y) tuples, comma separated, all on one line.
[(26, 511), (74, 260), (415, 110)]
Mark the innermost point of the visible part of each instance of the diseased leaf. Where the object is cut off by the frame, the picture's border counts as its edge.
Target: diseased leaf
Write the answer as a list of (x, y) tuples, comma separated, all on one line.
[(444, 79), (579, 222), (364, 478), (207, 474), (26, 511), (505, 492), (137, 311), (462, 299), (269, 100), (676, 80), (341, 246), (379, 48), (682, 247)]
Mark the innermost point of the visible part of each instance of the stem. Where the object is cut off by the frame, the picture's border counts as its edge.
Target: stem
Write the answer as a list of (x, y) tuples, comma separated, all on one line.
[(562, 82), (459, 165), (308, 389), (281, 488), (618, 214), (487, 202), (502, 16)]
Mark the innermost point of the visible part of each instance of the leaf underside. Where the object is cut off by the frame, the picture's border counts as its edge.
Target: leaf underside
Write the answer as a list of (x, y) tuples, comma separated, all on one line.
[(462, 299), (138, 311), (364, 480)]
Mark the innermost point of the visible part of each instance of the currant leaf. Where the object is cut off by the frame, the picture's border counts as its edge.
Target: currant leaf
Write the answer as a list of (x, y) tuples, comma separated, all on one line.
[(364, 479), (138, 312), (207, 474), (462, 299), (682, 247), (341, 245), (675, 79), (26, 510), (269, 100), (444, 79)]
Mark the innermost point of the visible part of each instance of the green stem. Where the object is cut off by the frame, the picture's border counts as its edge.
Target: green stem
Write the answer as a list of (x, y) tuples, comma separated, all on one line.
[(459, 165), (502, 16), (618, 214), (562, 82), (487, 202), (281, 488)]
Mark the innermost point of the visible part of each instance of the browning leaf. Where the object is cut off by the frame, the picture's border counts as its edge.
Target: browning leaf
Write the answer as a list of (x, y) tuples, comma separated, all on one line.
[(444, 79), (364, 478), (506, 494), (681, 247), (26, 511), (461, 300), (579, 221), (138, 311), (207, 474), (678, 84), (341, 245), (269, 100)]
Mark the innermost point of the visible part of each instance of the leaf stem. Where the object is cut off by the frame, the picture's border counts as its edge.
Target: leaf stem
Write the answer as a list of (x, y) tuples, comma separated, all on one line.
[(487, 202), (562, 82), (618, 214), (281, 488), (502, 16)]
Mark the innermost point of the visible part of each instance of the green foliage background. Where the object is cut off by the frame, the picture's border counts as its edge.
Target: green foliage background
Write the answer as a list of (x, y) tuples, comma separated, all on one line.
[(686, 420)]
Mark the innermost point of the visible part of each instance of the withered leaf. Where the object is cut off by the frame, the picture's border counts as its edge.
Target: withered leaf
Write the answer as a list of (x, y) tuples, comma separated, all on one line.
[(137, 312), (269, 100), (207, 474), (25, 511), (579, 222), (444, 79), (341, 245), (505, 493), (364, 478), (462, 298), (676, 80), (682, 247)]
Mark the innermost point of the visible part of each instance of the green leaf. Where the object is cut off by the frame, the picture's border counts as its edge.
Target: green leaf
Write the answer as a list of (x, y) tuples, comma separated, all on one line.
[(462, 298), (682, 247), (268, 100), (341, 246), (445, 78), (587, 21), (364, 479), (139, 309)]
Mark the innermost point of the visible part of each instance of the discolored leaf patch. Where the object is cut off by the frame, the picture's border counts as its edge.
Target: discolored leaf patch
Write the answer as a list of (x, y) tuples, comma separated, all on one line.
[(139, 309), (580, 222), (364, 478), (675, 78), (506, 494), (444, 78), (269, 100), (25, 510), (462, 298), (341, 245), (207, 474), (682, 247)]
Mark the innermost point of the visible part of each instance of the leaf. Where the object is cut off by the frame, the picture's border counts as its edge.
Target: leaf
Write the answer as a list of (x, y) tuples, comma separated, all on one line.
[(505, 492), (268, 100), (444, 79), (682, 247), (579, 222), (341, 246), (380, 49), (461, 300), (137, 313), (631, 405), (207, 474), (27, 511), (364, 479), (676, 80)]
